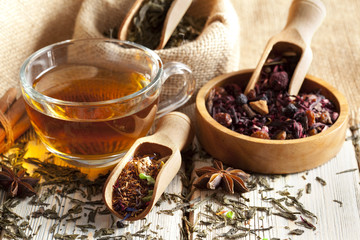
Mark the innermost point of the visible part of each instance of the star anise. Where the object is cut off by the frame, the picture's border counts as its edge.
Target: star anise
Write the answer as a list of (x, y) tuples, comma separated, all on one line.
[(17, 184), (231, 180)]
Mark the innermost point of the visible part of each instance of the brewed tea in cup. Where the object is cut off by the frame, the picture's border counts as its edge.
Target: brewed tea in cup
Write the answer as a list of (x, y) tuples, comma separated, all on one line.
[(89, 100)]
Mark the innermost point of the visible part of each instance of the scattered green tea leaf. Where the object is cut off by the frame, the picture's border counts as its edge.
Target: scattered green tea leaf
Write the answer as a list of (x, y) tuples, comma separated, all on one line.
[(339, 202), (296, 232), (321, 181), (348, 170)]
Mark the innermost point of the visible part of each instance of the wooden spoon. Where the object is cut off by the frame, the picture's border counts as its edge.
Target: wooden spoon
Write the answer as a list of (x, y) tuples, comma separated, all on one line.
[(123, 30), (174, 15), (172, 135), (176, 12), (305, 16)]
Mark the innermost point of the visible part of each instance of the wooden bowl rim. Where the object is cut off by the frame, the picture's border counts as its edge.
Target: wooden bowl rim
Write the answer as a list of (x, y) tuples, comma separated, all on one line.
[(201, 106)]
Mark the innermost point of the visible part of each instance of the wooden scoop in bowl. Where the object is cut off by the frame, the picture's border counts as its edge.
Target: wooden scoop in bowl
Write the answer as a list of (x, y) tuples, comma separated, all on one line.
[(172, 135), (305, 16), (174, 15)]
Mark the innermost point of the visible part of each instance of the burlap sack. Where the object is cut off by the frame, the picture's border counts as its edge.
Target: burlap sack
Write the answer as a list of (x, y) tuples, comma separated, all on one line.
[(213, 53), (26, 26)]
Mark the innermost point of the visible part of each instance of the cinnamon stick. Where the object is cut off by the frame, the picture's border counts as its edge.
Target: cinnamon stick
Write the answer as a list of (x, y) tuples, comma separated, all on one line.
[(20, 127), (13, 118), (13, 114)]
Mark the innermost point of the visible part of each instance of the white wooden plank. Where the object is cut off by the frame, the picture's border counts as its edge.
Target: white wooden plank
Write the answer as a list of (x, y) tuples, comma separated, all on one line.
[(334, 221)]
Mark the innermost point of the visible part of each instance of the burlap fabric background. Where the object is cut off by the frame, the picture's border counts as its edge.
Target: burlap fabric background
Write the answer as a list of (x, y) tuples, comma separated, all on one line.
[(26, 26), (210, 55)]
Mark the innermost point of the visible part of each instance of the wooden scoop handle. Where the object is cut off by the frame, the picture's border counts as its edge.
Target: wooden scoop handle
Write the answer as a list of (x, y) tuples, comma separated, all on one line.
[(176, 12), (123, 30), (175, 126), (305, 16)]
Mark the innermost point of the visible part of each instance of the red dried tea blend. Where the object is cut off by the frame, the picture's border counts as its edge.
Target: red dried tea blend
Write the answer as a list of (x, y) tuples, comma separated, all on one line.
[(134, 187), (268, 111)]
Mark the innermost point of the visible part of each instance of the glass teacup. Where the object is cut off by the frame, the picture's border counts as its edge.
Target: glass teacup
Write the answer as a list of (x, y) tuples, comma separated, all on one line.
[(90, 99)]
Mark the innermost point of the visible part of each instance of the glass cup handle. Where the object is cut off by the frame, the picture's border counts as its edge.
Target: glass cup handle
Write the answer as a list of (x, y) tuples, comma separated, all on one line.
[(184, 94)]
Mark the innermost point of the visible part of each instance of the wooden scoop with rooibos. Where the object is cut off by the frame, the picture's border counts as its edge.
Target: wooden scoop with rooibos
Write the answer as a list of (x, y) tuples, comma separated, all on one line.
[(305, 16), (172, 135)]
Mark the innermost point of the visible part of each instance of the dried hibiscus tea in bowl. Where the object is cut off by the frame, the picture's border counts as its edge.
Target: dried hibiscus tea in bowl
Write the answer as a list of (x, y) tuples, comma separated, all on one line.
[(268, 111)]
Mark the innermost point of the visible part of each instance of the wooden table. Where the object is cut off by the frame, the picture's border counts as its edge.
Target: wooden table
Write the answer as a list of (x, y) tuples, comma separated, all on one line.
[(335, 204), (336, 48)]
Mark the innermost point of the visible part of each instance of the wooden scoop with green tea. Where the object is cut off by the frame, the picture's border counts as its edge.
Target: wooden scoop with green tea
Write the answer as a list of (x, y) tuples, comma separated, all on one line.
[(305, 16), (174, 15), (173, 133)]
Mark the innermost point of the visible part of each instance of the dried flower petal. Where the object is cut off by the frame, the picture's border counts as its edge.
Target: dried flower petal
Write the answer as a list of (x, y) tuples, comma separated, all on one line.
[(279, 80)]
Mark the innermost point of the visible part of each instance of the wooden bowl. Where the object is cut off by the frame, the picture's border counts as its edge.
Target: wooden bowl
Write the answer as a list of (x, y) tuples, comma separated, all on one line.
[(270, 156)]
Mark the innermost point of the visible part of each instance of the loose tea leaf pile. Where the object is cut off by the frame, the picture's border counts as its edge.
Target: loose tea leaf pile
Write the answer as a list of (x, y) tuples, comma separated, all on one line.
[(268, 111), (60, 182), (224, 216), (187, 30), (147, 25), (235, 216), (134, 187)]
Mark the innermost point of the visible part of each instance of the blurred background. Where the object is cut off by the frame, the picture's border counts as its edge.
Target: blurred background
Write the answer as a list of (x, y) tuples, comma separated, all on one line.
[(27, 25)]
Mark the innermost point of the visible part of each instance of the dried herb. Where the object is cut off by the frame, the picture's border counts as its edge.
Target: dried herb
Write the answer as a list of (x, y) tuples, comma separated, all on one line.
[(70, 179), (231, 180), (308, 188), (103, 232), (268, 111), (60, 181), (283, 211), (92, 214), (49, 213), (296, 232), (321, 181), (301, 207), (218, 219), (9, 222), (147, 25), (66, 236), (348, 170), (85, 228), (286, 215), (264, 183), (189, 28), (306, 223), (17, 184), (339, 202), (133, 189), (299, 194)]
